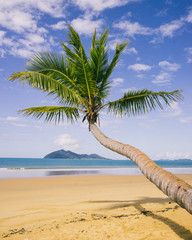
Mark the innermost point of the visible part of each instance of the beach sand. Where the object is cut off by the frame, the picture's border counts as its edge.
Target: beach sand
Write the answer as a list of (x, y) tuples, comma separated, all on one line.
[(90, 207)]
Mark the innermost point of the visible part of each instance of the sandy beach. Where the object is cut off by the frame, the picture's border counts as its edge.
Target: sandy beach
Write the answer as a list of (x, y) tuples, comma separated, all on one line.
[(90, 207)]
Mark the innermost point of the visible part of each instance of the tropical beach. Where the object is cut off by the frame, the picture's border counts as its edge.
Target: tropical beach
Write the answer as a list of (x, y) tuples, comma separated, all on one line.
[(90, 207), (101, 67)]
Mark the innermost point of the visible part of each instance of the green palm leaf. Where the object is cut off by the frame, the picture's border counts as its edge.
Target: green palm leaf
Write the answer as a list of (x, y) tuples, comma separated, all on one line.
[(75, 42), (81, 83), (115, 59), (79, 63), (141, 102), (99, 62), (105, 84), (49, 84), (56, 113), (53, 65)]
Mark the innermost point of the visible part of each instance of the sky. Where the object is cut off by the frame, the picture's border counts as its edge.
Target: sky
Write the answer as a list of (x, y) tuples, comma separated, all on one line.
[(158, 57)]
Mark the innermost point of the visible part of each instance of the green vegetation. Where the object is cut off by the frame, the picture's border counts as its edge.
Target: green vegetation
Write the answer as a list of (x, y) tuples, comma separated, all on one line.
[(81, 83)]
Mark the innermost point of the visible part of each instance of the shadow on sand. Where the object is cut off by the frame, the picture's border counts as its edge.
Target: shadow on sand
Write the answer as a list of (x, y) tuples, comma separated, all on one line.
[(180, 230)]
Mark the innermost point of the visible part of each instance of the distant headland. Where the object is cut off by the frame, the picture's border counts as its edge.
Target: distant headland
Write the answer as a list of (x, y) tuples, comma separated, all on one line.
[(71, 155)]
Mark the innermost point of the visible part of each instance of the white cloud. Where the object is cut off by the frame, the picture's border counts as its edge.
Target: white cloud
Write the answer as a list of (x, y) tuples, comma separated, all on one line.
[(185, 119), (169, 29), (20, 125), (189, 53), (117, 81), (112, 43), (20, 15), (189, 50), (162, 13), (141, 76), (59, 25), (2, 53), (132, 29), (189, 17), (163, 78), (174, 155), (165, 30), (173, 111), (138, 59), (4, 41), (139, 67), (165, 65), (23, 19), (13, 119), (100, 5), (131, 51), (66, 142), (128, 89), (32, 42), (86, 25), (52, 7), (176, 109), (2, 35), (21, 52), (34, 38), (17, 20)]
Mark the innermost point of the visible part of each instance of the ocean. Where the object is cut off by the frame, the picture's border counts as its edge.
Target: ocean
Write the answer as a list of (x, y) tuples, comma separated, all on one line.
[(41, 167)]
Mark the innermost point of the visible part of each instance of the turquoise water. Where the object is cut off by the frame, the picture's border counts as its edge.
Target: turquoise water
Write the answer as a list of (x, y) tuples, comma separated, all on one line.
[(61, 163), (82, 163), (38, 167)]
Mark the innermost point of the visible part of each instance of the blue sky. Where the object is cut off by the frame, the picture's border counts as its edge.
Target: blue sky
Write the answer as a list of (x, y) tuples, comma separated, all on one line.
[(159, 57)]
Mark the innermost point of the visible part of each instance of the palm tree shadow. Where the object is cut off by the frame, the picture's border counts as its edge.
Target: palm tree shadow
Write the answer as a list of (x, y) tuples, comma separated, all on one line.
[(180, 230)]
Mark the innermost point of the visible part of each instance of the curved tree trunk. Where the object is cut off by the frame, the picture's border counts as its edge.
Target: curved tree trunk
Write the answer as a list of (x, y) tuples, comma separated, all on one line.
[(175, 188)]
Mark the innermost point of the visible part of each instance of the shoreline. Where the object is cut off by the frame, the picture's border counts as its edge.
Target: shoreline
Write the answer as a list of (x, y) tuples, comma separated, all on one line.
[(90, 207), (13, 173)]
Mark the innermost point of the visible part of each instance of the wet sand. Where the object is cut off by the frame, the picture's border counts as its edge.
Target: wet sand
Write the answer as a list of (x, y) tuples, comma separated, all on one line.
[(90, 207)]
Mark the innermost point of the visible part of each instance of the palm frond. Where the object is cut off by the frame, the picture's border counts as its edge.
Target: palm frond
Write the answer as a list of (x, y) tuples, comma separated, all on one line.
[(115, 59), (81, 83), (93, 39), (75, 42), (53, 65), (99, 61), (79, 63), (141, 102), (44, 60), (49, 84), (105, 84), (53, 113), (50, 72)]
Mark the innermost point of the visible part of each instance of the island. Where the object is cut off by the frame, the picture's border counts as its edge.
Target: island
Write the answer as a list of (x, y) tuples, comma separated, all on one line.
[(71, 155)]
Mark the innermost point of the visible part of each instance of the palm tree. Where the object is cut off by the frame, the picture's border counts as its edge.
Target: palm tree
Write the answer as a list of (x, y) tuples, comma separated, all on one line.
[(81, 85)]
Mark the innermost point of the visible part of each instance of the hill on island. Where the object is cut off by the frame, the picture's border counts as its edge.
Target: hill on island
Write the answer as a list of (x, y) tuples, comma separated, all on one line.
[(71, 155)]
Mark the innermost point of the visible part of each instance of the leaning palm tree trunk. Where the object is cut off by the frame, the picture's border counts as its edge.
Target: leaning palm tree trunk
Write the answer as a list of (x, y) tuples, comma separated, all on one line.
[(175, 188)]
